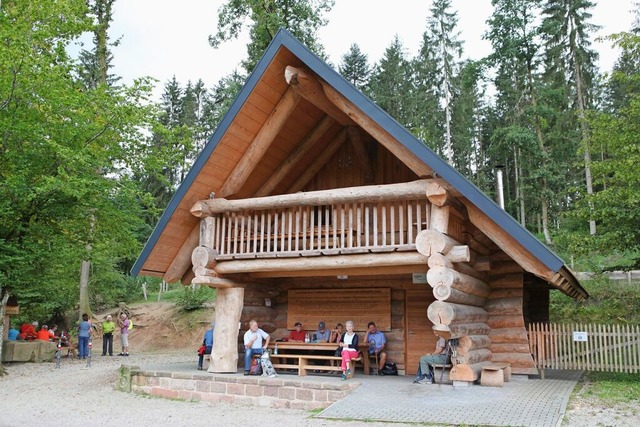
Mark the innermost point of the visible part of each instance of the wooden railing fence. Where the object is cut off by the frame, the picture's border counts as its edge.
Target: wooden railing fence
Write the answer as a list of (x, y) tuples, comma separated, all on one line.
[(590, 347), (327, 229)]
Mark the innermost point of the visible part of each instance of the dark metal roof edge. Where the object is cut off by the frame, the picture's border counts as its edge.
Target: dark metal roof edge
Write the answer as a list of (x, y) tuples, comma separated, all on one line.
[(202, 158), (439, 166)]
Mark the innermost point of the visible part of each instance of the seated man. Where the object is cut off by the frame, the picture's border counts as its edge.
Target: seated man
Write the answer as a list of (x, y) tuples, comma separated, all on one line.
[(253, 343), (298, 334), (438, 357), (322, 334), (377, 343)]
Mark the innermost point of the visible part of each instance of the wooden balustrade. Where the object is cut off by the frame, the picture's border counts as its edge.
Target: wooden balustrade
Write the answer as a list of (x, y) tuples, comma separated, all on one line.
[(314, 230)]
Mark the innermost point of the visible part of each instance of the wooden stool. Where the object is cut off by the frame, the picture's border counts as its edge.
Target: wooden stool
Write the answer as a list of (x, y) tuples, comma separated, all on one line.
[(495, 375)]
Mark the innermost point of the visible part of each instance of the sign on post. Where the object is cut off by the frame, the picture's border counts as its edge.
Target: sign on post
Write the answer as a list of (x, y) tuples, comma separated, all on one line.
[(580, 336)]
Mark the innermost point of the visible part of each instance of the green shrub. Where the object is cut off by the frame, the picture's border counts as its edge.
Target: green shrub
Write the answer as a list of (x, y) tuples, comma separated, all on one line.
[(194, 299)]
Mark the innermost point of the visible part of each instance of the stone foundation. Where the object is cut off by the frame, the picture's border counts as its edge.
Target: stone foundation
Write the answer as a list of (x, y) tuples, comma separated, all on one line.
[(281, 392)]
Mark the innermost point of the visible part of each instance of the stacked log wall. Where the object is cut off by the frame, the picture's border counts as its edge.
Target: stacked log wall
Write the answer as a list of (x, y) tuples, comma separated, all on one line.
[(509, 339)]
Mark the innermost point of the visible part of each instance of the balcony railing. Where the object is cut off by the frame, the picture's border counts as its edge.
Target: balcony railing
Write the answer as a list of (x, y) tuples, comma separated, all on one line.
[(320, 230)]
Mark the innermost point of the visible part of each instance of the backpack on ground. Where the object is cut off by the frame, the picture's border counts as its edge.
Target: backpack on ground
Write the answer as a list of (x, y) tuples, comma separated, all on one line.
[(256, 366), (389, 369)]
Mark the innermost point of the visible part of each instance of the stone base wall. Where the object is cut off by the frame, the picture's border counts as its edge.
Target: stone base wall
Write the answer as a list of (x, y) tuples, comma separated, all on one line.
[(277, 392)]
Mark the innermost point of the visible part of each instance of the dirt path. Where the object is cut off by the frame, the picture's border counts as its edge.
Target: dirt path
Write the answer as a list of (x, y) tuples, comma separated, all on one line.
[(40, 395)]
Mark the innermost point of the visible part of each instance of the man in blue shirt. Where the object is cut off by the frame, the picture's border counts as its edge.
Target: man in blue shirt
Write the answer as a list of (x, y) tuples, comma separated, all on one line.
[(322, 334), (377, 343), (208, 343)]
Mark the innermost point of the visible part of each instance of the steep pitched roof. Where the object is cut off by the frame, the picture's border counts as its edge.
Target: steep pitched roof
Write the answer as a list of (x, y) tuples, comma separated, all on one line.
[(256, 104)]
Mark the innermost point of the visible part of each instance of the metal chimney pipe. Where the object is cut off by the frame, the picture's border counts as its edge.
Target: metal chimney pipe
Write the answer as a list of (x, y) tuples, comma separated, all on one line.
[(500, 185)]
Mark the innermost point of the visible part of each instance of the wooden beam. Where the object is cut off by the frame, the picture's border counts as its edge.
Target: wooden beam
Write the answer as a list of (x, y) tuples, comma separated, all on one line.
[(215, 282), (394, 270), (324, 157), (375, 130), (338, 262), (360, 150), (261, 143), (296, 155), (437, 194), (439, 218), (182, 261), (371, 193), (507, 243), (308, 87)]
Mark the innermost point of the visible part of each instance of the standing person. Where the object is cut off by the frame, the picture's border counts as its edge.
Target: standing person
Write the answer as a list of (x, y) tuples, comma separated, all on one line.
[(438, 357), (253, 343), (322, 334), (377, 343), (207, 342), (336, 334), (123, 323), (108, 327), (84, 333), (349, 345)]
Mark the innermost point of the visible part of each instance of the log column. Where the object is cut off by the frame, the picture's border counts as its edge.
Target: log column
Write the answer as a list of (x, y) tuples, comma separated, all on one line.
[(224, 356)]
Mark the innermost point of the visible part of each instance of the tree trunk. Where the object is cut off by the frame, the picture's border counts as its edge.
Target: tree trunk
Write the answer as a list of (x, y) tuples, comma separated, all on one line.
[(85, 305), (3, 306)]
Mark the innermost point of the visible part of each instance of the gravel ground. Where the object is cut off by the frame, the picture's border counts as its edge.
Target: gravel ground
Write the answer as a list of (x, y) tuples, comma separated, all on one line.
[(35, 394)]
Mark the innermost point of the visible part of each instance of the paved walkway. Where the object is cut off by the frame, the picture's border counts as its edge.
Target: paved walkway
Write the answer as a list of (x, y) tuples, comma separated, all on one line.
[(521, 402)]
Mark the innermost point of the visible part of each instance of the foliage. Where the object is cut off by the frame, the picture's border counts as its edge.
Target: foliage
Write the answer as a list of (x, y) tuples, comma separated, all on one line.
[(65, 155), (302, 17), (193, 299), (610, 388), (355, 67), (610, 302)]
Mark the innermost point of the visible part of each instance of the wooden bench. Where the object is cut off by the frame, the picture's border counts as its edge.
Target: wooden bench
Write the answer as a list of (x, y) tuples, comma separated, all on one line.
[(303, 366), (495, 375), (438, 372)]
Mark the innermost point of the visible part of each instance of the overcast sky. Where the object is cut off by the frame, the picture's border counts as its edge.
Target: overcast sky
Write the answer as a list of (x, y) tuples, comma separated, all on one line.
[(163, 38)]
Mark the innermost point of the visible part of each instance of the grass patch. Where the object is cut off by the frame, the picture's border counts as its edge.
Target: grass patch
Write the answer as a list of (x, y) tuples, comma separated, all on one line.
[(611, 387)]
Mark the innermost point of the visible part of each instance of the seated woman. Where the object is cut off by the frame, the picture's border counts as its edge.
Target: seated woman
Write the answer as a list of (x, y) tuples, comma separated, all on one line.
[(349, 345), (43, 334), (336, 334)]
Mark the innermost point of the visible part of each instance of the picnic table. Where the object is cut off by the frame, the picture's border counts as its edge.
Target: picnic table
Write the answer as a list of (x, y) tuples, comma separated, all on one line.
[(301, 353)]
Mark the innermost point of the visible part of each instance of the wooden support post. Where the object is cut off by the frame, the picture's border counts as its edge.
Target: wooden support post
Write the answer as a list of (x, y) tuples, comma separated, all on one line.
[(224, 357), (439, 220)]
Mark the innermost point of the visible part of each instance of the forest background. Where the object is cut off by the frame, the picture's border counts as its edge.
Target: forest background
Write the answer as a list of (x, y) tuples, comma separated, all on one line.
[(88, 163)]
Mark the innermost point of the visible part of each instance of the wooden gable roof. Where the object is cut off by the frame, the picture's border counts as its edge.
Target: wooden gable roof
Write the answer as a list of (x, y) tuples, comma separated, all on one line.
[(236, 163)]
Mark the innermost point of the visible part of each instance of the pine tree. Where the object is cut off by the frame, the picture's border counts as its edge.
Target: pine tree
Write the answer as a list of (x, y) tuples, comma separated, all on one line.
[(441, 26), (566, 32), (389, 85), (302, 17), (95, 63), (355, 67)]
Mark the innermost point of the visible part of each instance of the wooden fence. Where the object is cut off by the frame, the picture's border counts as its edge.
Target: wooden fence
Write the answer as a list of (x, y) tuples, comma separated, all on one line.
[(590, 347)]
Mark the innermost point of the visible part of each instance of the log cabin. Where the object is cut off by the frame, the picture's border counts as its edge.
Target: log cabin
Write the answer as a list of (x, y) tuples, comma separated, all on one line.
[(309, 203)]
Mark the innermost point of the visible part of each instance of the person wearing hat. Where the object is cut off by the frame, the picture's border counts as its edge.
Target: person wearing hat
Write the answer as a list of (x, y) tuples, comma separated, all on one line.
[(322, 334), (207, 342), (298, 334)]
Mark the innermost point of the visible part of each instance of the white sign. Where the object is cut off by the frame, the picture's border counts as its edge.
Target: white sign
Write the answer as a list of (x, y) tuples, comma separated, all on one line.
[(580, 336), (419, 277)]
